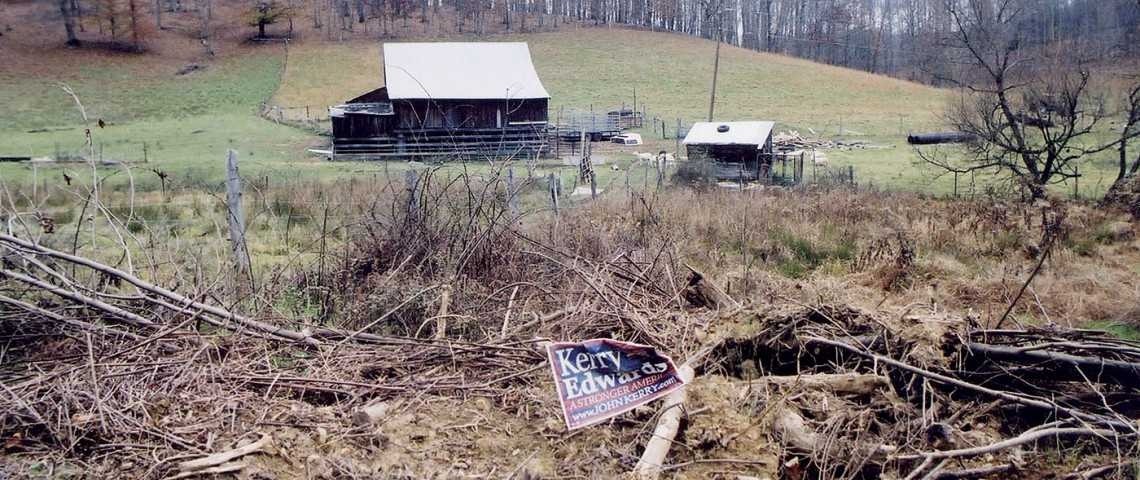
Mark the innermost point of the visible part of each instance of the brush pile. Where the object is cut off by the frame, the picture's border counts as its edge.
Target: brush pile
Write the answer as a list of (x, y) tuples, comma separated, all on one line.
[(425, 362), (793, 140)]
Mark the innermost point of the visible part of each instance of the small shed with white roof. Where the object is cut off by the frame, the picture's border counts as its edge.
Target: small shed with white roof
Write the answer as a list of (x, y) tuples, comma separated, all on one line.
[(734, 150)]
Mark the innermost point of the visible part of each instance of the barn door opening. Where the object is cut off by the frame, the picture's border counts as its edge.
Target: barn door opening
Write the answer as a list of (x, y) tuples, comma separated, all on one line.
[(498, 118)]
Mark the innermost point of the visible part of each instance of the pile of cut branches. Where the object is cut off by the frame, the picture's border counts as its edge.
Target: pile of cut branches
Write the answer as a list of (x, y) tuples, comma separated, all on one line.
[(932, 396), (446, 297)]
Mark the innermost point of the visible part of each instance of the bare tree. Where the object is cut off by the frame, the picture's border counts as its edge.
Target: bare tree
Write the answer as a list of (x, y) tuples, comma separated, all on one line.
[(1031, 114), (68, 22), (1125, 191), (265, 13), (133, 14), (205, 15), (1129, 131)]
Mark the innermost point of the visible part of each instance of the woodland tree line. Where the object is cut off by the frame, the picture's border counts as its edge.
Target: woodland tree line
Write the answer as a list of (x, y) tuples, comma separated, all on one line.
[(904, 38)]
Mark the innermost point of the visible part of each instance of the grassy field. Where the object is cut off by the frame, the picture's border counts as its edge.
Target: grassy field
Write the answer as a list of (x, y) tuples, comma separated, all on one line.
[(188, 121), (585, 67)]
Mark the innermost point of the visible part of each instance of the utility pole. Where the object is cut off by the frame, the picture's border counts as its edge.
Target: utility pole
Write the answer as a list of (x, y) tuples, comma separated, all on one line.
[(716, 60)]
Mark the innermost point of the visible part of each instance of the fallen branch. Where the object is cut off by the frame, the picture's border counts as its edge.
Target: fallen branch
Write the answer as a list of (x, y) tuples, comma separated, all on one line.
[(1022, 439), (653, 458), (794, 432), (1028, 280), (849, 383), (62, 319), (1103, 471), (125, 316), (159, 291), (791, 428), (703, 293), (224, 468), (978, 472), (224, 457), (1022, 399), (1102, 369)]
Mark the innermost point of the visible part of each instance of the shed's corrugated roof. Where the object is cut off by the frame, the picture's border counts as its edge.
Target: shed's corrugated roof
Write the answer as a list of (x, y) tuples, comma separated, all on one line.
[(739, 133), (461, 71)]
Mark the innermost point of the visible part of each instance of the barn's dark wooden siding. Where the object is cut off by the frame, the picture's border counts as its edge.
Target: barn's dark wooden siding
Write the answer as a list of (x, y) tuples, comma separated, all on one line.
[(463, 114), (362, 126), (442, 127)]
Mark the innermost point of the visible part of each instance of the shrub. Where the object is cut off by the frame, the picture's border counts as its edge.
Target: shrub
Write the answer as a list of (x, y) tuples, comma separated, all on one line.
[(695, 174)]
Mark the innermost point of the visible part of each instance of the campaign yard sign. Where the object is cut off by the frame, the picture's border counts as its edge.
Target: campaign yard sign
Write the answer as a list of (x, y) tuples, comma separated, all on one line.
[(601, 378)]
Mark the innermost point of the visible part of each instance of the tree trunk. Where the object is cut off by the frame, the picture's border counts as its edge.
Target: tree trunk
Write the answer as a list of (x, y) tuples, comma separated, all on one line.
[(261, 29), (68, 22), (134, 12), (1123, 172)]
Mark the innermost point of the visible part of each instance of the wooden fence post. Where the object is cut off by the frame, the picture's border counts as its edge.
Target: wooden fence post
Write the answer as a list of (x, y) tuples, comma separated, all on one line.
[(512, 201), (677, 139), (800, 178), (660, 163), (411, 179), (813, 167), (551, 182), (593, 186), (236, 217)]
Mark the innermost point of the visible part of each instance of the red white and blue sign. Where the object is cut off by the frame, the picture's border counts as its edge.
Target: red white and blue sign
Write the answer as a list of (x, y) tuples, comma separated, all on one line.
[(599, 379)]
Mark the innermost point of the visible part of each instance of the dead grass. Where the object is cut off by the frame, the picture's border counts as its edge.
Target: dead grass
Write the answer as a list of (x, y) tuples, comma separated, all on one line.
[(782, 253)]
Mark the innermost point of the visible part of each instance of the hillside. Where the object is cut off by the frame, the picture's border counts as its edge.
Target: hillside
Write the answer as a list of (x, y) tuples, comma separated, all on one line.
[(605, 67), (307, 319), (670, 74), (183, 118), (178, 120)]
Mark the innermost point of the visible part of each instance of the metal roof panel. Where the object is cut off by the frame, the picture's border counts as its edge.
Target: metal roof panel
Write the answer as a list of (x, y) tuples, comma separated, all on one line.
[(461, 71), (738, 133)]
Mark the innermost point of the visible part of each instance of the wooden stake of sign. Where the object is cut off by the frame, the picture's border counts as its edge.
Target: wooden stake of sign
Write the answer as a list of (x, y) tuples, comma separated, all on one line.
[(236, 217)]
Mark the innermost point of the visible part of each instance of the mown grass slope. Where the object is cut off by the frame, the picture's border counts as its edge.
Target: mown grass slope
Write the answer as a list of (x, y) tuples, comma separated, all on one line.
[(670, 75), (603, 68), (186, 121), (189, 120)]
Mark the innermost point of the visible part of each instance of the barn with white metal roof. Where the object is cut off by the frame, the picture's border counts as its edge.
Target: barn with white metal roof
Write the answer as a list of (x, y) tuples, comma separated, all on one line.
[(447, 99)]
